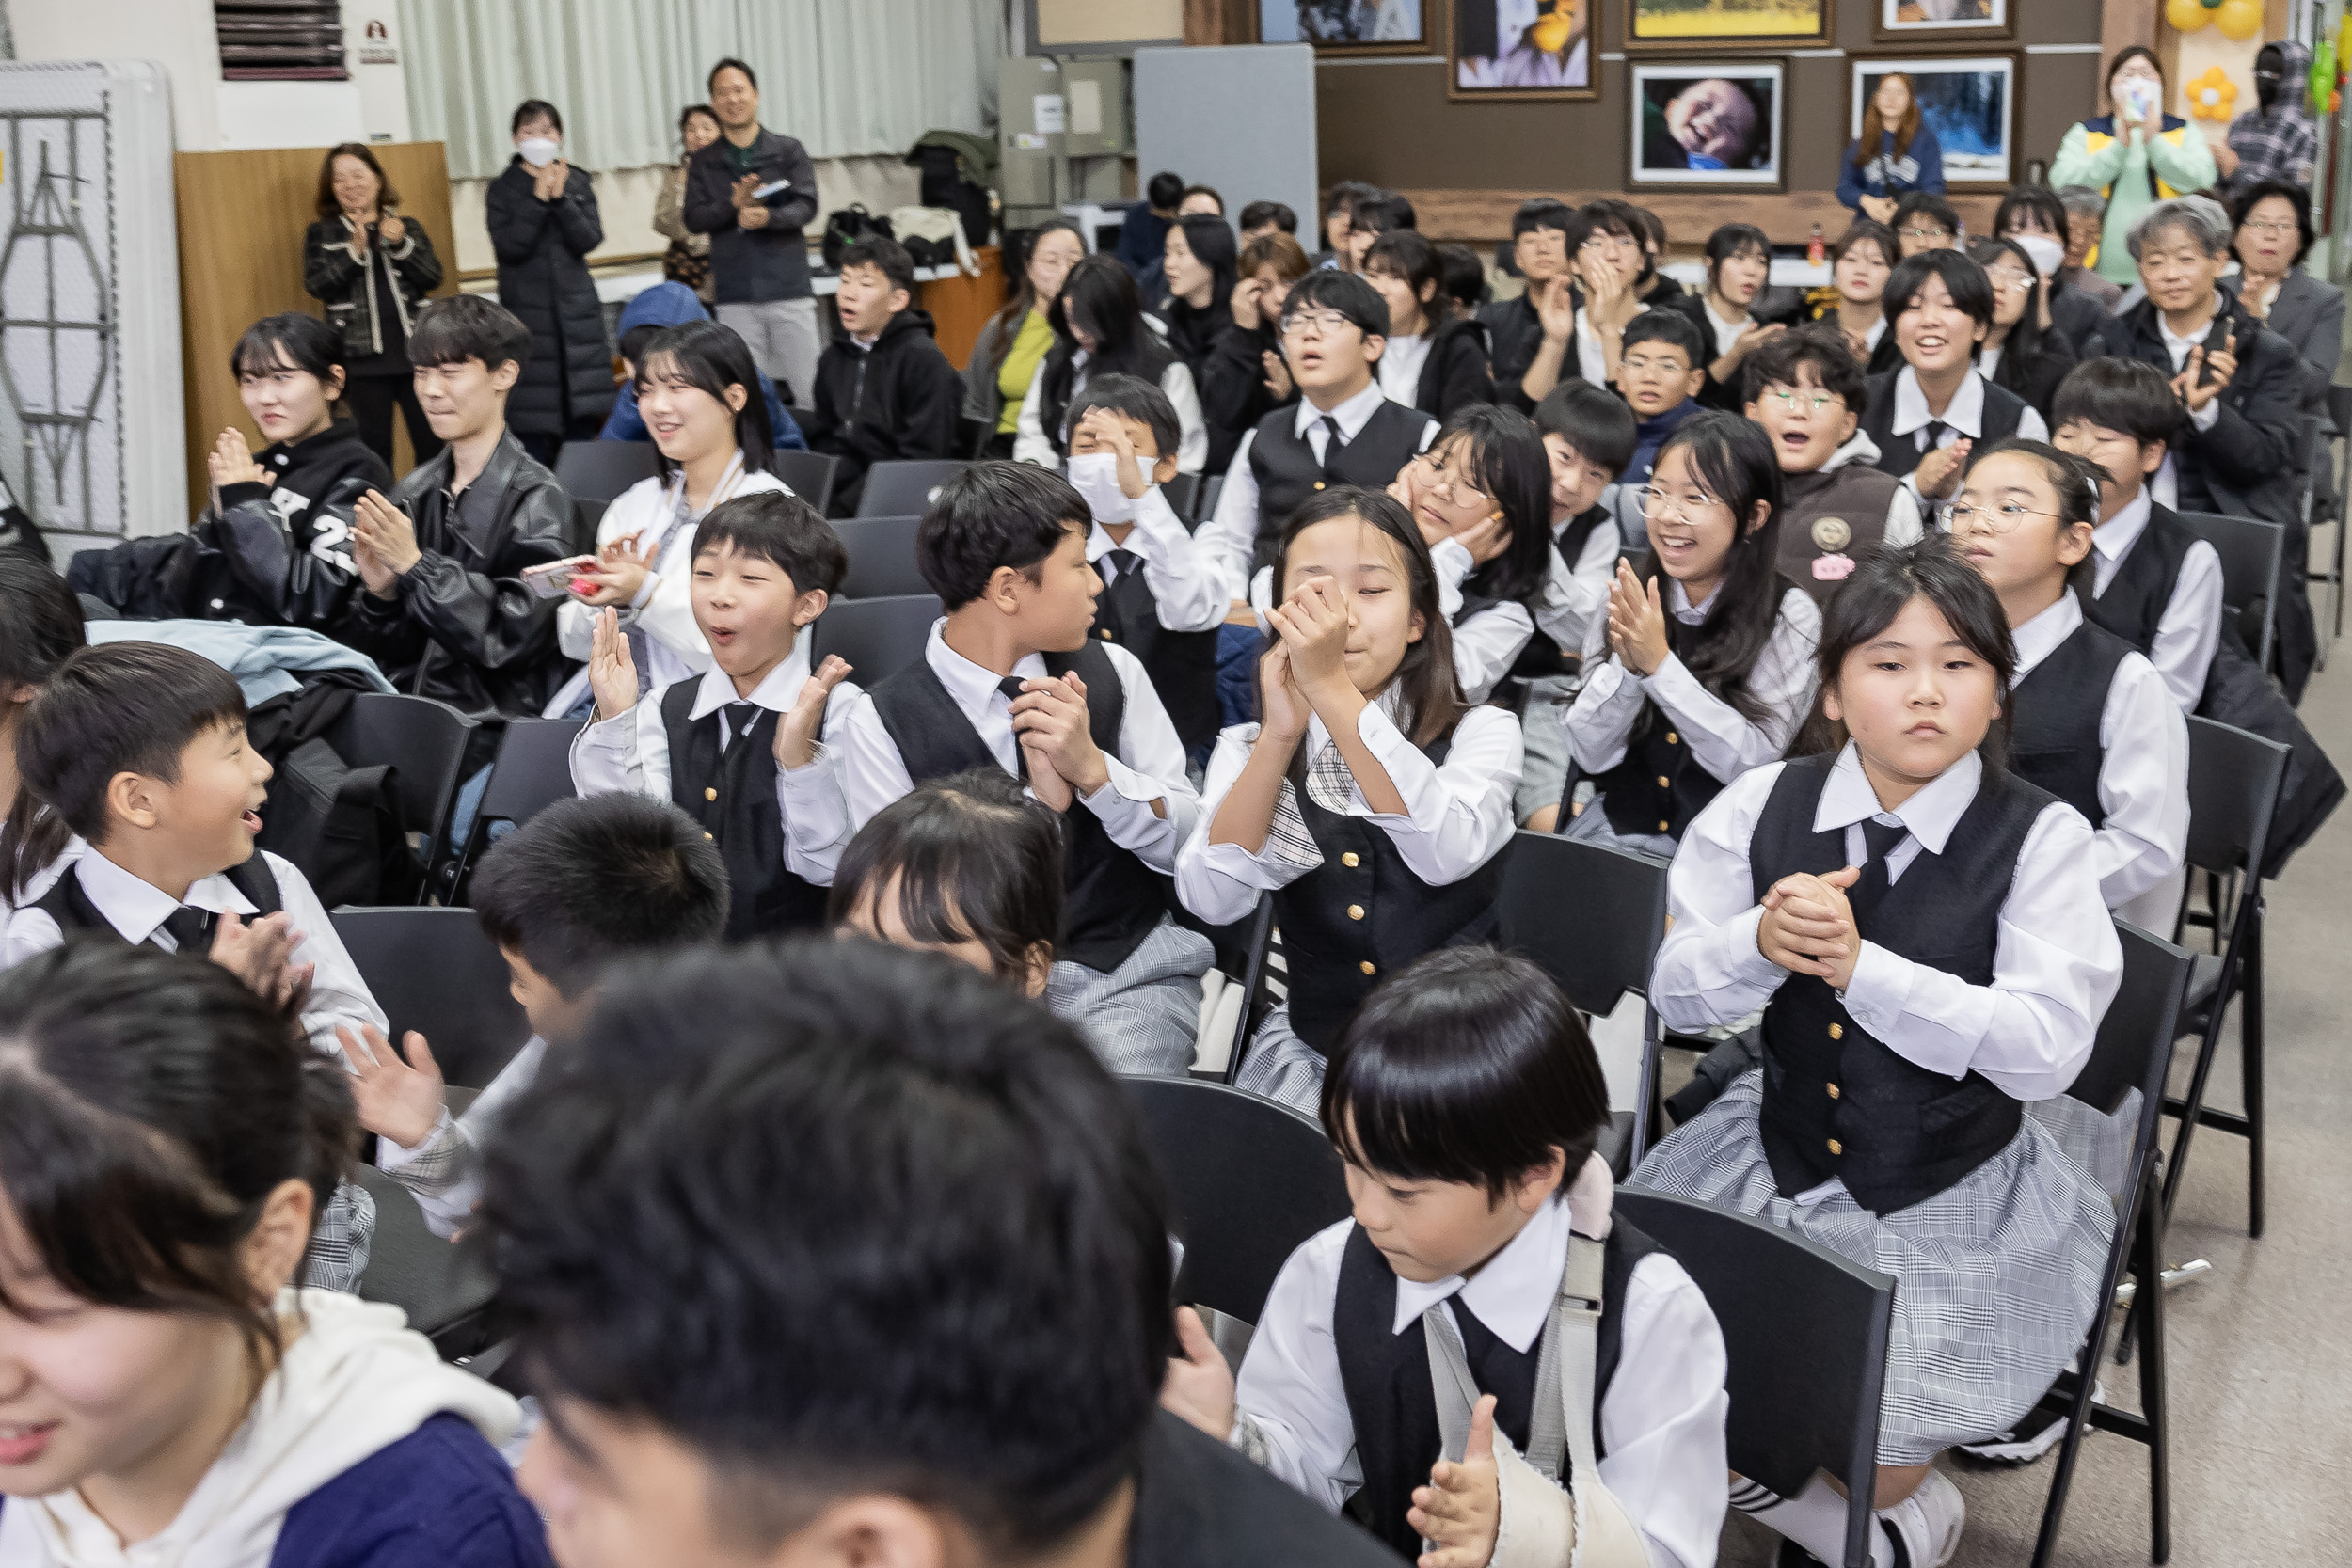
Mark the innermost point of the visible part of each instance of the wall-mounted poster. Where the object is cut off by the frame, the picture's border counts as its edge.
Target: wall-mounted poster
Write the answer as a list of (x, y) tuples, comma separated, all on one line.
[(1521, 49), (1712, 124), (1725, 23), (1969, 103), (1348, 26), (1935, 21)]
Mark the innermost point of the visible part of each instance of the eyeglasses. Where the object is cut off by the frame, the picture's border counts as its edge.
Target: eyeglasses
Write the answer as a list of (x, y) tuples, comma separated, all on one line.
[(1924, 233), (1321, 323), (2018, 282), (1454, 481), (1645, 365), (2270, 226), (1790, 400), (2003, 518), (1691, 511), (1604, 241)]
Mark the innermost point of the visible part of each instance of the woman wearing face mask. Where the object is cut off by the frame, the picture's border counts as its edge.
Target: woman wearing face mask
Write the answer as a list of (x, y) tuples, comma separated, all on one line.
[(2035, 216), (372, 268), (687, 259), (1896, 152), (2135, 154), (542, 216), (2021, 351), (1015, 341)]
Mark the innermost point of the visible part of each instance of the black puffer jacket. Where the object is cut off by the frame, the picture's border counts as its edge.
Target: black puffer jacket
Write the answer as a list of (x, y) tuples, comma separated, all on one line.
[(340, 280), (542, 277)]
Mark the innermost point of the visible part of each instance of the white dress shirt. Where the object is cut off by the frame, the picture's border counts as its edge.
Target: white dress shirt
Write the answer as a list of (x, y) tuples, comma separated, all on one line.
[(1592, 358), (1189, 590), (1662, 1417), (1457, 818), (1031, 443), (1723, 740), (37, 886), (1488, 644), (137, 910), (2056, 963), (1964, 417), (630, 753), (452, 1151), (1727, 333), (1149, 764), (2143, 770), (2191, 626), (1577, 593), (1400, 366)]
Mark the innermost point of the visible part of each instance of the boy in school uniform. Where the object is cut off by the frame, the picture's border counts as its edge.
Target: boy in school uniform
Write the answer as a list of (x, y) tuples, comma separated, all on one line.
[(2154, 583), (1924, 221), (1836, 503), (884, 393), (1014, 677), (1515, 329), (446, 612), (1664, 367), (584, 882), (736, 747), (1924, 418)]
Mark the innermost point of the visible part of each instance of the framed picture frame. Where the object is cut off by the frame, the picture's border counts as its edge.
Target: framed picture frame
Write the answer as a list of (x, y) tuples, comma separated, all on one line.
[(1940, 22), (1969, 101), (1717, 27), (1504, 51), (1349, 26), (1710, 124)]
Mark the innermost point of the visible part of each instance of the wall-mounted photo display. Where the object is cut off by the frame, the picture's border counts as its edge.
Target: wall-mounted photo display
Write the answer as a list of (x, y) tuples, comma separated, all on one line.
[(1348, 26), (1970, 103), (1662, 25), (1717, 123), (1939, 20), (1521, 49)]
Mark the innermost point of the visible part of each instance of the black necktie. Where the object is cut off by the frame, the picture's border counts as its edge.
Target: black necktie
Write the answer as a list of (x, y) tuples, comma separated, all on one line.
[(192, 928), (736, 721), (1879, 840), (1127, 562), (1935, 429), (1010, 687), (1332, 440)]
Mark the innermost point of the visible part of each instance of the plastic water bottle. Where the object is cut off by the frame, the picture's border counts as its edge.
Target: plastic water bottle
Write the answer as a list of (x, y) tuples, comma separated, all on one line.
[(1816, 248)]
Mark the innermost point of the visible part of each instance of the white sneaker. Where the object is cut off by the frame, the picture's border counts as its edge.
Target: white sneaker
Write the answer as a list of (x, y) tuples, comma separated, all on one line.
[(1926, 1524), (2035, 1435)]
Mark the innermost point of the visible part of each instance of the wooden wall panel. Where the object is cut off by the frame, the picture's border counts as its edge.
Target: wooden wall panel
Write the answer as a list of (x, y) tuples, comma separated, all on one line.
[(1480, 217), (961, 305)]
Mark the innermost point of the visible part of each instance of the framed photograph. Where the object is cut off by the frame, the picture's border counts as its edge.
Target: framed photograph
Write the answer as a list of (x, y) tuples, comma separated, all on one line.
[(1970, 103), (1712, 124), (1521, 49), (1655, 26), (1939, 20), (1348, 26)]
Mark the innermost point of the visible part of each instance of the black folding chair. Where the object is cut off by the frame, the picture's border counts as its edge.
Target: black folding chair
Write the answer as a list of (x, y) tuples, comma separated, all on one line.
[(2132, 1055), (2234, 780), (532, 770), (594, 474), (899, 488), (878, 637), (2251, 551), (1184, 495), (1250, 1181), (1592, 917), (438, 972), (444, 1287), (1211, 488), (2340, 414), (809, 473), (1806, 1333), (882, 558), (1261, 975), (425, 741)]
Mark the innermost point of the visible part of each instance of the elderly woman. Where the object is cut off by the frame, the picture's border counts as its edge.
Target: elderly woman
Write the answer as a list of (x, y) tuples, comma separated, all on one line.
[(2135, 155), (2273, 223)]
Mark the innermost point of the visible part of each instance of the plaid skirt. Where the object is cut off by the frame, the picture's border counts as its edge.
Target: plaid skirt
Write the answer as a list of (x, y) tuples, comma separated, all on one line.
[(1145, 1015), (1996, 1276)]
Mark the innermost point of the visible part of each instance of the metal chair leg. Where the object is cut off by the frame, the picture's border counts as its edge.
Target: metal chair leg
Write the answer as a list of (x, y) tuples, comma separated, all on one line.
[(2150, 1309), (2250, 1059)]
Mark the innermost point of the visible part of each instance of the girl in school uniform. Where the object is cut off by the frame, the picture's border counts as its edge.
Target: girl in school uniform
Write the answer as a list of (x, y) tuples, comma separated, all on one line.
[(1436, 359), (1861, 261), (1924, 932), (1738, 269), (1708, 649), (1373, 803), (1398, 1356), (1100, 326), (1481, 497), (41, 623)]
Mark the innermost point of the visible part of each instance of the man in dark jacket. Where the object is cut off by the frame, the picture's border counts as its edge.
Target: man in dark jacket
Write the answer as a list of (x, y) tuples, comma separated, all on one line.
[(754, 192), (883, 391), (542, 217), (445, 612)]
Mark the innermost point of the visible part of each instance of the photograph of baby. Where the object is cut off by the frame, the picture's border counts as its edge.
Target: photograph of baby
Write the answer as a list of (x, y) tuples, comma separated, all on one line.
[(1369, 26), (1521, 49), (1708, 124)]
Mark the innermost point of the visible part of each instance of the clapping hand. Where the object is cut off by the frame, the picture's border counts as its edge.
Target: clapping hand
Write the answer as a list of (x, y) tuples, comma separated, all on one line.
[(383, 544), (1808, 926), (1049, 719), (1938, 474), (1286, 708), (390, 229), (232, 462), (1460, 1512), (260, 954), (612, 667), (1313, 625), (396, 1100), (1555, 306), (1637, 623), (798, 730)]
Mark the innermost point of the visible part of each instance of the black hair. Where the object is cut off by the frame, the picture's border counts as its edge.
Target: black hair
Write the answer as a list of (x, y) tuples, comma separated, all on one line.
[(840, 1217), (1541, 212), (535, 108), (1100, 292), (296, 338), (2077, 479), (1645, 228), (1780, 357), (993, 515), (1963, 279), (1343, 197), (976, 859), (692, 110), (731, 63), (1734, 239), (150, 1103), (1593, 420), (1890, 578), (41, 626), (888, 255), (330, 210), (1866, 232), (1432, 699), (468, 326), (1912, 204), (1734, 459), (1209, 191), (1506, 460), (633, 342), (2295, 196), (2125, 57), (1328, 288), (782, 529), (2037, 201), (1383, 214), (1210, 242), (1139, 401), (1165, 191), (1672, 327), (1465, 276), (1403, 254), (2127, 395), (711, 356), (1466, 1065), (119, 708), (1023, 298), (1258, 214), (2026, 345)]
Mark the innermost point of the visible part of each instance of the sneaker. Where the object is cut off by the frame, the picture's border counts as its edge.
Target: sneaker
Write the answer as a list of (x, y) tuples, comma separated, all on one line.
[(1927, 1525), (2035, 1435)]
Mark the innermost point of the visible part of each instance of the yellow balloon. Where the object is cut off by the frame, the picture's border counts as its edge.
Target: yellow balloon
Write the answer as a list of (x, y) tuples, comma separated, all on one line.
[(2239, 19), (2186, 16)]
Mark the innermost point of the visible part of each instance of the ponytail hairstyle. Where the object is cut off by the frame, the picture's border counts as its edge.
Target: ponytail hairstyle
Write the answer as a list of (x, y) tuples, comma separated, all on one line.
[(705, 354), (1504, 456), (2077, 480), (1734, 461), (1099, 295), (1867, 603), (40, 623)]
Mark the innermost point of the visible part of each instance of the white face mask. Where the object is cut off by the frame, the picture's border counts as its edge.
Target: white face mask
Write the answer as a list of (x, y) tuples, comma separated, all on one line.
[(2046, 252), (538, 152), (1095, 476)]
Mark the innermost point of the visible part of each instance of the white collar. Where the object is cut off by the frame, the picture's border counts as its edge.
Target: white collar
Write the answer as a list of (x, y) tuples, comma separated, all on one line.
[(777, 691), (1352, 414), (1514, 1293), (2040, 637), (1931, 815), (2174, 340), (135, 908), (1100, 543), (1966, 414), (1678, 603), (1859, 452), (2114, 536), (971, 686)]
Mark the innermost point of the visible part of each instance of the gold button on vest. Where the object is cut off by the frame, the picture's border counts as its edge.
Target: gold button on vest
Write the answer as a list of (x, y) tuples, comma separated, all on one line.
[(710, 795), (1366, 966), (1318, 484), (1663, 781), (1349, 859), (1833, 1091), (1665, 827), (1837, 1031), (1354, 911), (1837, 1148), (1673, 739)]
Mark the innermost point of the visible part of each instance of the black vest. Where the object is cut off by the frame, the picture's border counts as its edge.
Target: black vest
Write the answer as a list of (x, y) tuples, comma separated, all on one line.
[(733, 798), (72, 909), (1839, 513), (1283, 464), (1363, 913), (1385, 1377), (1114, 898), (1542, 656), (1838, 1102), (2142, 589), (2056, 709), (1660, 786), (1899, 454), (1182, 664)]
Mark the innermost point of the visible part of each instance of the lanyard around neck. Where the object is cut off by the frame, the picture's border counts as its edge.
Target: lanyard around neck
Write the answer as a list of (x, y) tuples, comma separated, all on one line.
[(676, 501)]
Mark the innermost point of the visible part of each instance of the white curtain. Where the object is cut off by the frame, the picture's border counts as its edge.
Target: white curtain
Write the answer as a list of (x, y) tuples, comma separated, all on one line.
[(847, 77)]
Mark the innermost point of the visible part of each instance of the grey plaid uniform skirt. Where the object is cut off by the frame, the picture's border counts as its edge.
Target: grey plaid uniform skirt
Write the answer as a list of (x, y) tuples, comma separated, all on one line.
[(1145, 1015), (1282, 1067), (1997, 1275)]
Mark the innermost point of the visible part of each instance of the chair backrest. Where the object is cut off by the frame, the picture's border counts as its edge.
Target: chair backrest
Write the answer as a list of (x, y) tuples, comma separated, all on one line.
[(878, 637), (1250, 1181), (423, 738), (1590, 915), (2234, 783), (1184, 494), (2340, 408), (532, 771), (1214, 487), (2134, 1045), (2250, 553), (809, 473), (600, 470), (436, 972), (882, 558), (1806, 1333), (895, 489), (436, 1284)]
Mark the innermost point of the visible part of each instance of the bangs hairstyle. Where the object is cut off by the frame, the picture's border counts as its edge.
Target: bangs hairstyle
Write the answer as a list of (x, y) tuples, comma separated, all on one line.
[(468, 326), (1431, 698), (1008, 320), (992, 514), (1867, 603), (291, 341), (1595, 423), (782, 530), (1963, 279), (1504, 456), (1782, 356), (1382, 213), (596, 876), (1404, 255), (120, 707), (2077, 481), (1541, 212), (2127, 395), (1099, 295), (1735, 239), (1257, 214), (1342, 292), (150, 1103), (976, 857), (1927, 204), (1734, 461), (711, 357), (535, 108), (330, 210), (1278, 253), (2295, 196), (41, 627), (886, 256), (2038, 202), (1672, 327), (1466, 1065), (1212, 244), (1139, 401), (1865, 232)]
